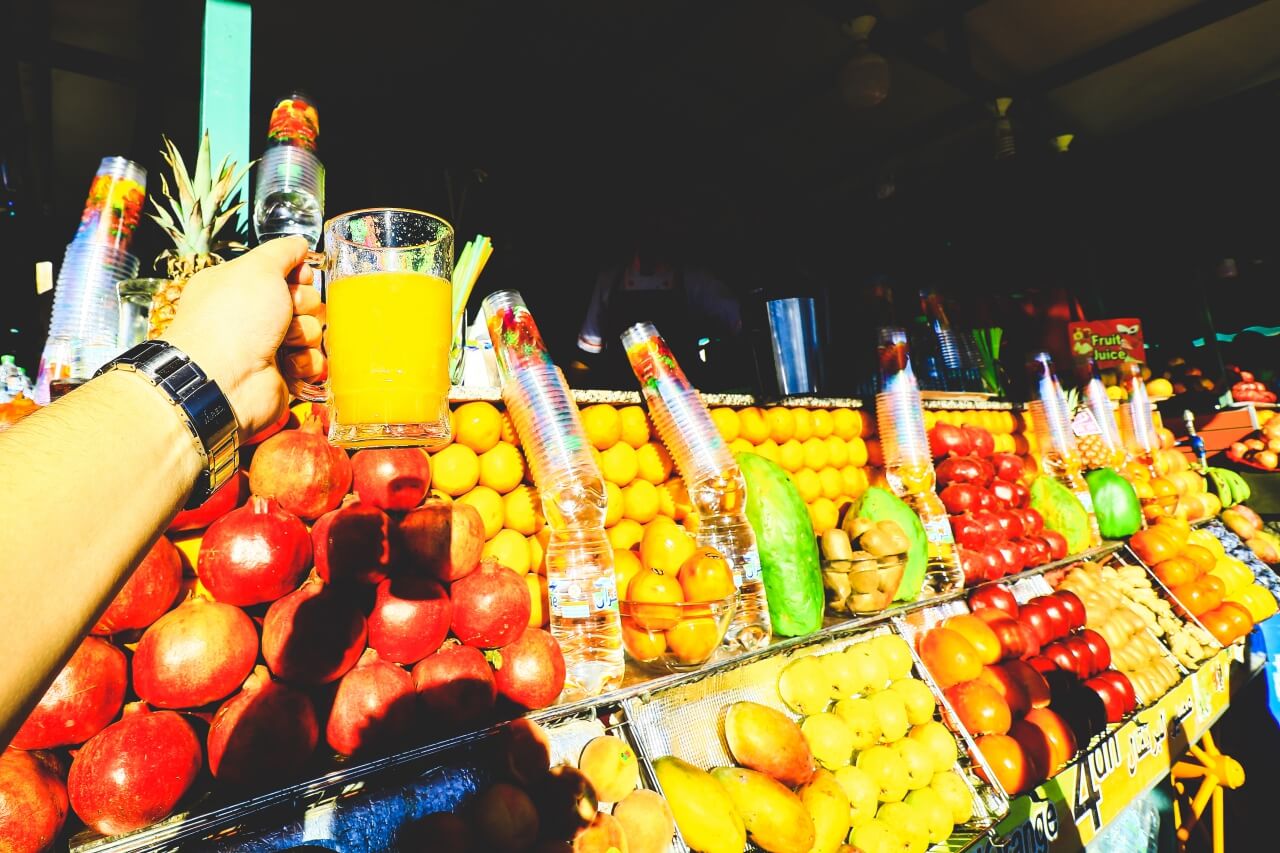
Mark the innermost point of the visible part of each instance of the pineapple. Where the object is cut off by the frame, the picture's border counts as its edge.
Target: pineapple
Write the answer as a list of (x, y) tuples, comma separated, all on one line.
[(1094, 452), (198, 213)]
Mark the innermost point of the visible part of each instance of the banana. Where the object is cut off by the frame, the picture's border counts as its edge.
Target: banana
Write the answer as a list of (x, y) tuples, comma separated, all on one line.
[(1221, 485), (1240, 491)]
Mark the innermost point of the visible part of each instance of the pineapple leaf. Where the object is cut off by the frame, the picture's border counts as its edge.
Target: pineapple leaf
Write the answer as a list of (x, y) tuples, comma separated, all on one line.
[(200, 180)]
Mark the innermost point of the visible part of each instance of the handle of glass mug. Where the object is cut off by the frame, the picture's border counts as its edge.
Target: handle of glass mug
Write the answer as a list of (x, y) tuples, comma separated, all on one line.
[(300, 389)]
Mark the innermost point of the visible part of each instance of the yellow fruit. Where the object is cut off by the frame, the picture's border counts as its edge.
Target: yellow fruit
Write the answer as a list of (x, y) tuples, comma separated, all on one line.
[(1115, 392), (618, 464), (832, 483), (523, 510), (823, 514), (815, 454), (807, 484), (539, 611), (602, 425), (828, 805), (791, 455), (613, 503), (626, 534), (490, 505), (626, 565), (752, 425), (509, 548), (635, 426), (782, 423), (479, 426), (857, 452), (846, 423), (741, 445), (1160, 388), (640, 501), (704, 813), (509, 434), (693, 640), (830, 739), (803, 423), (665, 546), (610, 764), (666, 502), (823, 423), (653, 462), (501, 468), (538, 551), (837, 451), (456, 469), (774, 816), (726, 421), (768, 449)]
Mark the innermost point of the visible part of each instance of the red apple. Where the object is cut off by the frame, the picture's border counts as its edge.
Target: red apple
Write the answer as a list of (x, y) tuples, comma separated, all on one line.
[(1074, 608), (968, 532), (1012, 556), (986, 501), (1030, 640), (1008, 467), (993, 596), (1010, 523), (1057, 615), (1032, 681), (1067, 657), (1033, 616), (1002, 491), (1032, 522), (1098, 647), (1042, 664), (988, 473), (991, 524), (959, 498), (1035, 550), (972, 564), (1083, 650), (1123, 686), (948, 440), (1112, 699), (1057, 543), (959, 469), (1021, 495), (996, 565), (1008, 632)]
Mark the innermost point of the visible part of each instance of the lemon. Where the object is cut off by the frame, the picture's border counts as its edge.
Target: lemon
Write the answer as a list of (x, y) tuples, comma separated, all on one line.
[(613, 503), (857, 452), (501, 467), (635, 426), (751, 425), (509, 434), (626, 534), (804, 424), (653, 462), (539, 609), (489, 504), (791, 455), (807, 484), (523, 510), (831, 482), (741, 445), (510, 549), (837, 451), (603, 426), (822, 513), (823, 424), (479, 425), (853, 481), (640, 501), (815, 454), (768, 449), (846, 423), (455, 470), (618, 464), (726, 421), (782, 423), (538, 551)]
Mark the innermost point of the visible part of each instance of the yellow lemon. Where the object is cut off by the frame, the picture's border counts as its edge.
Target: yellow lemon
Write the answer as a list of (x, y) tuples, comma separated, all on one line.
[(618, 464), (501, 467), (832, 483), (823, 514), (823, 423), (837, 451), (846, 423), (857, 452), (807, 484), (455, 470), (782, 423), (741, 445), (726, 421), (635, 426), (640, 501), (540, 606), (815, 454), (626, 534), (768, 449), (613, 503), (602, 425), (751, 425), (853, 481), (523, 510), (510, 549), (804, 424), (791, 455), (479, 425), (489, 504), (509, 434), (538, 551), (626, 565), (653, 462)]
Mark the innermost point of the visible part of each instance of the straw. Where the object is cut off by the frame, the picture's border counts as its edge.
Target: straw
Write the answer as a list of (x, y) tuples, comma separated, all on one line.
[(475, 254)]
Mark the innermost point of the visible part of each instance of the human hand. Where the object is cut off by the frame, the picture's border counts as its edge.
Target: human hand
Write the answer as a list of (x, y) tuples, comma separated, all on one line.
[(235, 316)]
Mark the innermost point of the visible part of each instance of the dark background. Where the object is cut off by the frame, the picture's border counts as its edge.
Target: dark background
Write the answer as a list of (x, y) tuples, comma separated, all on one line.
[(557, 125)]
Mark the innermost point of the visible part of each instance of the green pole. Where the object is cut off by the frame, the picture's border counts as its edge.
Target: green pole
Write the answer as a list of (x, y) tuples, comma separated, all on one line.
[(224, 85)]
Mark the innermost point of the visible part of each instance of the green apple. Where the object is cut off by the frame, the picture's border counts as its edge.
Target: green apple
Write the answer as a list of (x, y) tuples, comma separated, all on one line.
[(875, 836), (895, 653), (860, 716), (918, 698), (955, 793), (887, 769), (918, 760), (891, 711), (938, 740), (862, 791), (937, 814), (830, 739), (909, 822)]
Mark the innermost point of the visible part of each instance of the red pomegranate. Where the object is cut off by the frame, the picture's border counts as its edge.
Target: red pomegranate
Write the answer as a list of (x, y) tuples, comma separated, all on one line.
[(352, 543), (490, 606), (410, 618), (442, 538), (135, 771), (254, 554), (313, 635), (374, 706), (262, 736), (195, 654), (85, 696), (33, 801), (229, 496), (456, 684), (300, 469), (148, 592), (530, 671), (394, 478)]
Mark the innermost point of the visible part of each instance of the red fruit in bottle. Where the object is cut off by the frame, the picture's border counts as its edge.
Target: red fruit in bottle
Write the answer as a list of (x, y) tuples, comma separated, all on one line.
[(83, 699), (254, 554), (197, 653)]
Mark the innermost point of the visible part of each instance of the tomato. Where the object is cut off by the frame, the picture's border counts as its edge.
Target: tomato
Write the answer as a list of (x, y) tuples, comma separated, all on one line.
[(1046, 738), (1014, 770)]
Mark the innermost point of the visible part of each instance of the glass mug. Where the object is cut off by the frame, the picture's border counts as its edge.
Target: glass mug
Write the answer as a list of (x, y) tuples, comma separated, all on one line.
[(388, 299)]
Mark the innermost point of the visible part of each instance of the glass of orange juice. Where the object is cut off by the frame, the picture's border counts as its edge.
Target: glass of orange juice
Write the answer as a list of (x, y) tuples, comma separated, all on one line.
[(389, 298)]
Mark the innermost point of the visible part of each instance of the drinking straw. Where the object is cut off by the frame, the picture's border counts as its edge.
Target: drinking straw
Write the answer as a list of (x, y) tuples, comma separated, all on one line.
[(475, 254)]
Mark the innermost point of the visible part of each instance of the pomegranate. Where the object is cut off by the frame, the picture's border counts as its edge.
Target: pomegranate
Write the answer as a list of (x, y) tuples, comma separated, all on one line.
[(442, 538), (456, 684), (300, 469), (352, 543), (254, 554), (395, 478), (148, 592), (195, 654), (374, 706), (529, 671), (229, 496), (33, 801), (490, 606), (85, 696), (263, 734), (410, 618), (135, 771), (313, 635)]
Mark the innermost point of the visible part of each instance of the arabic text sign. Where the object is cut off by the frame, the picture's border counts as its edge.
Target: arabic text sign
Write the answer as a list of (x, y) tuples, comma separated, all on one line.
[(1107, 341)]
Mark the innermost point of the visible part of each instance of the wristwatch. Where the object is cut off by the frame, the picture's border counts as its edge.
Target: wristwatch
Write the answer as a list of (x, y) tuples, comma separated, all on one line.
[(203, 407)]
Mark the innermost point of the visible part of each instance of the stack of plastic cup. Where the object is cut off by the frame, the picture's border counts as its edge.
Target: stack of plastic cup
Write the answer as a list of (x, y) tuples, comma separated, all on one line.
[(899, 410), (84, 325), (289, 197)]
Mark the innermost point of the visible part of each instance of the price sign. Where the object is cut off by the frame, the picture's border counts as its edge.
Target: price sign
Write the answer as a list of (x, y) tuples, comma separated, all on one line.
[(1108, 342)]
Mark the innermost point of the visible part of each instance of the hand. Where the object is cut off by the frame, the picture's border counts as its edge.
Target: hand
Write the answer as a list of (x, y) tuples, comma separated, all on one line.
[(234, 317)]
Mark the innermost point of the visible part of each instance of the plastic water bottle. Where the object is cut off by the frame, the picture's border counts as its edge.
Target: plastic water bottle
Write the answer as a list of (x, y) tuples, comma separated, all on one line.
[(289, 197), (908, 464), (582, 588), (1059, 455), (716, 487), (1137, 429), (10, 379)]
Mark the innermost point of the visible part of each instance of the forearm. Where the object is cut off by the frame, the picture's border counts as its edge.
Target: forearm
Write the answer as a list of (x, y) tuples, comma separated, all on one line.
[(85, 489)]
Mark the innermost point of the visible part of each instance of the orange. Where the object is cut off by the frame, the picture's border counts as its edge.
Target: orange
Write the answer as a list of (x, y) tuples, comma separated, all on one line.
[(618, 464), (980, 707), (853, 481), (654, 597), (837, 451), (510, 549), (523, 510), (539, 611), (768, 449), (490, 506), (640, 501), (1152, 546), (613, 504), (635, 426), (741, 445), (949, 657), (455, 470), (501, 467), (807, 484), (693, 640), (752, 425), (782, 423), (1136, 472), (823, 514), (815, 454), (538, 550), (1013, 768), (653, 462), (479, 426), (509, 434), (665, 546), (726, 421), (831, 482), (791, 455), (804, 424), (1199, 556), (859, 453), (641, 644), (823, 424), (602, 425), (679, 496), (626, 534), (626, 565), (846, 423), (706, 576)]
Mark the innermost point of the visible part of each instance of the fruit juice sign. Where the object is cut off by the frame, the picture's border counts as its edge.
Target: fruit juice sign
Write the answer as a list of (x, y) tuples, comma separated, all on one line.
[(1107, 342)]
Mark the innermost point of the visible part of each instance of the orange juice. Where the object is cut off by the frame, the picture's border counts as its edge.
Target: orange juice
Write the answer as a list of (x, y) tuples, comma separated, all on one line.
[(388, 344)]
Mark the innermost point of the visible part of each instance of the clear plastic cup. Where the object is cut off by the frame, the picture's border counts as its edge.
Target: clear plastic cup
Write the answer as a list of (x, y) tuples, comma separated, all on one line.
[(114, 204)]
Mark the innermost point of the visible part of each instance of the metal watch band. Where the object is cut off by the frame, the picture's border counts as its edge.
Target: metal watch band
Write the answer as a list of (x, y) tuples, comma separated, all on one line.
[(204, 408)]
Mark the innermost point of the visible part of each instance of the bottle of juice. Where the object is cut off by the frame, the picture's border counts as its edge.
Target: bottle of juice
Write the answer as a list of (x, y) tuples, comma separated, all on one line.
[(716, 487), (1094, 426), (1137, 429), (581, 586), (1059, 456), (908, 465)]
